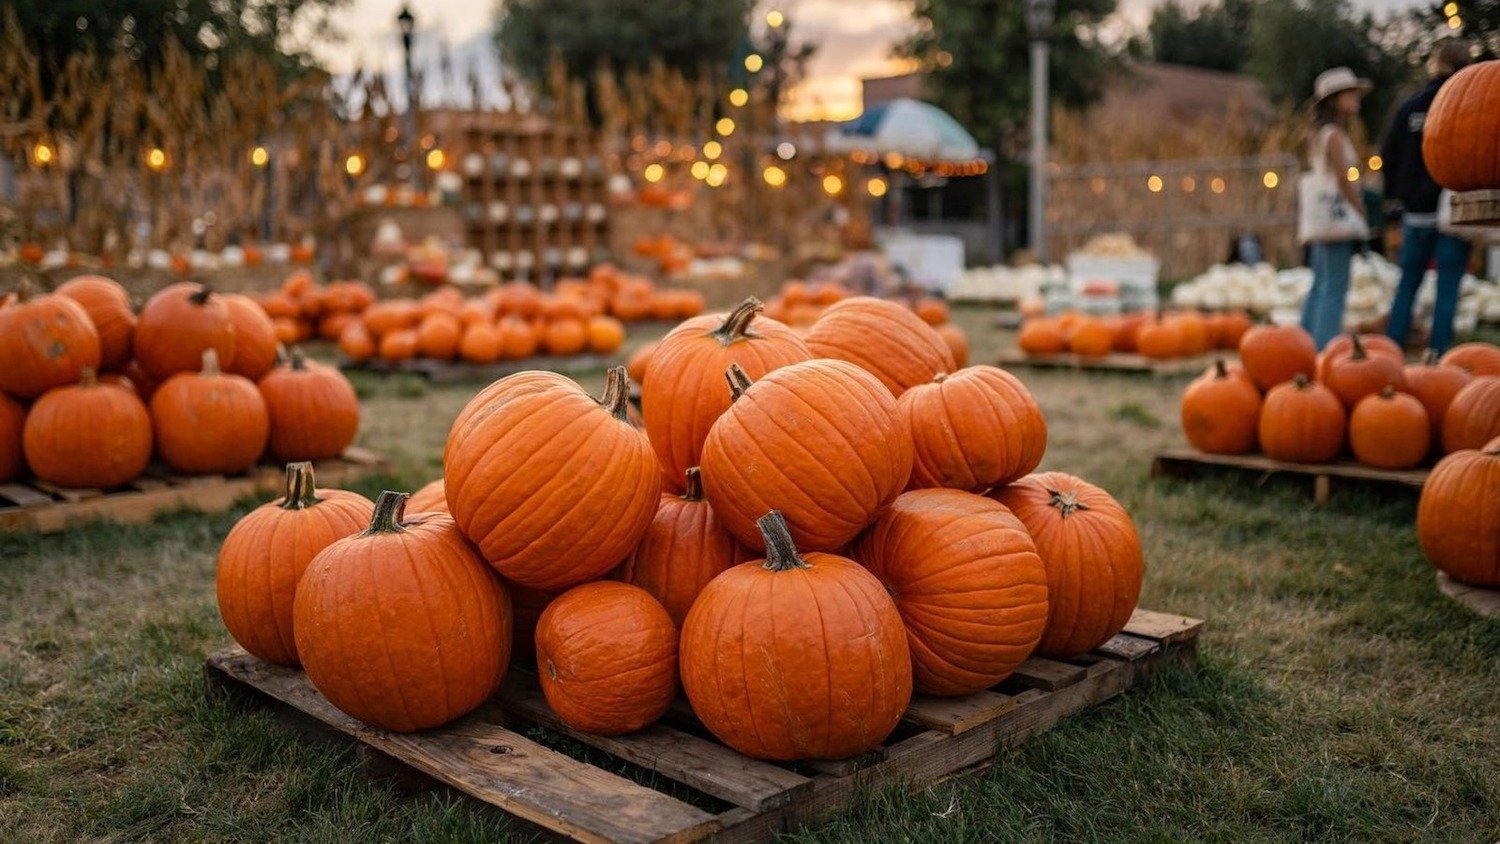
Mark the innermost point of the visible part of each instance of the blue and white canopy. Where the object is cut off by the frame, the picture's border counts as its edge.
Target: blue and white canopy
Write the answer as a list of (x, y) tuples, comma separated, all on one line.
[(908, 127)]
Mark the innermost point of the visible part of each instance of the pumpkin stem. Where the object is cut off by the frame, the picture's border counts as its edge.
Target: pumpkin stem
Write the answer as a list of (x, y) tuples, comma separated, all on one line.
[(24, 291), (211, 363), (88, 377), (301, 488), (738, 380), (736, 324), (781, 551), (1067, 502), (1430, 357), (1220, 370), (390, 512), (1300, 381), (616, 392), (201, 297), (1388, 391), (281, 356), (298, 360), (1359, 348), (940, 378), (1493, 452), (694, 485)]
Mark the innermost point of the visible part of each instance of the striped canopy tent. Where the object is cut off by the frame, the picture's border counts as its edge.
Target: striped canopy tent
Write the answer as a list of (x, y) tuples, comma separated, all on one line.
[(909, 128)]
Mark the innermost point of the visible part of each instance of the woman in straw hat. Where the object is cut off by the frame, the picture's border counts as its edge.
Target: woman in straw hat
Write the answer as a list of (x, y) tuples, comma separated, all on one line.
[(1332, 222)]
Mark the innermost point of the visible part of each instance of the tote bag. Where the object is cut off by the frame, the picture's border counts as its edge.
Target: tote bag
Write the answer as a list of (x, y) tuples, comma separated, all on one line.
[(1323, 214)]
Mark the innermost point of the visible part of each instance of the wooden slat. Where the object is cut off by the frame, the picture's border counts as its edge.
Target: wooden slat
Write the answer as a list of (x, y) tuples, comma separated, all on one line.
[(24, 496), (144, 484), (1127, 647), (1186, 460), (68, 494), (1485, 602), (362, 456), (954, 715), (682, 714), (497, 766), (703, 765), (1041, 673), (1114, 362), (1163, 627)]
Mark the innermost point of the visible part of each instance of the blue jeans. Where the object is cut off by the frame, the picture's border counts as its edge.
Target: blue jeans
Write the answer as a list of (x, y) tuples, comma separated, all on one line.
[(1323, 312), (1419, 245)]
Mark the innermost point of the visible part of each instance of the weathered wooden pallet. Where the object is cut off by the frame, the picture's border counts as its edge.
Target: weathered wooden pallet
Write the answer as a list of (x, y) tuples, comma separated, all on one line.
[(39, 507), (448, 372), (1115, 362), (673, 781), (1185, 462), (1481, 601), (1477, 208)]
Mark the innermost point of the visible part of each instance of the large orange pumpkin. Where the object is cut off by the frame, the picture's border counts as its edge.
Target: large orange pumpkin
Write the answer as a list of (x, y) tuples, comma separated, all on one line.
[(1458, 517), (12, 423), (1477, 358), (1461, 134), (108, 307), (822, 438), (46, 341), (314, 410), (761, 666), (266, 552), (1301, 422), (1272, 354), (1435, 385), (1220, 411), (88, 435), (967, 580), (178, 325), (432, 498), (1357, 373), (210, 421), (687, 392), (1473, 418), (402, 625), (683, 550), (554, 487), (527, 606), (972, 430), (606, 654), (1389, 430), (254, 337), (885, 339), (958, 343)]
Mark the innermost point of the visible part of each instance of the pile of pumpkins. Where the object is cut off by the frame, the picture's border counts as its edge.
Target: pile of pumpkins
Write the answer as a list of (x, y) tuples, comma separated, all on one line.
[(303, 310), (89, 389), (887, 493), (1299, 405), (1159, 336)]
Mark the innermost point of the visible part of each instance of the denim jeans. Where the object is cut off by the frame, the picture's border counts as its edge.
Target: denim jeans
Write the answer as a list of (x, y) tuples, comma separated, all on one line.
[(1419, 245), (1323, 312)]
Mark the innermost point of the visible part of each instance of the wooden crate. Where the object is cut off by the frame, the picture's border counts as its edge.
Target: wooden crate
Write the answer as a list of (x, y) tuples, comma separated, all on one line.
[(449, 372), (1481, 601), (1477, 208), (39, 507), (733, 798), (1185, 462), (1115, 362)]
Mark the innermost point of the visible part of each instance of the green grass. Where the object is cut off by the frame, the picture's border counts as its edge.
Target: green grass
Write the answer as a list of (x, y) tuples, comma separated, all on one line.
[(1338, 696)]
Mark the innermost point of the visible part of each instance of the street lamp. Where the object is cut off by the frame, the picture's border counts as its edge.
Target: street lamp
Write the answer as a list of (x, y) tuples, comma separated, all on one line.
[(407, 22), (1040, 15)]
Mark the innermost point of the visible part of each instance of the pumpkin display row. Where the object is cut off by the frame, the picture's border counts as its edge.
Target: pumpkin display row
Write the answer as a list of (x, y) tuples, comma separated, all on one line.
[(1157, 336), (800, 305), (841, 540), (1301, 406)]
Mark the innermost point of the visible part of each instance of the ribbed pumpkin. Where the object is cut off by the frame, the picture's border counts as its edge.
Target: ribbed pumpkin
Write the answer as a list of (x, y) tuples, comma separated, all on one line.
[(1357, 373), (1472, 420), (254, 337), (934, 312), (683, 550), (972, 430), (883, 338), (314, 410), (967, 580), (12, 423), (1458, 518), (958, 343), (46, 341), (1272, 354), (823, 438), (90, 435), (210, 421), (1301, 422), (821, 670), (108, 307), (266, 552), (1477, 358), (1389, 430), (689, 393), (527, 606), (1092, 553), (640, 361), (554, 487), (606, 654), (402, 625), (1461, 133), (177, 325), (1343, 344), (1220, 411), (1041, 337), (481, 344), (1435, 385), (432, 498)]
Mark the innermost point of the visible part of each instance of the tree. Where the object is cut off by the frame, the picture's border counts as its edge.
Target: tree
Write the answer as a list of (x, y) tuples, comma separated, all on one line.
[(1214, 37), (1478, 21)]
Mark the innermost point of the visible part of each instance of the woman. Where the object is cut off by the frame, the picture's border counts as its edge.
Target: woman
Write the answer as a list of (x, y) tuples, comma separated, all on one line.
[(1332, 223)]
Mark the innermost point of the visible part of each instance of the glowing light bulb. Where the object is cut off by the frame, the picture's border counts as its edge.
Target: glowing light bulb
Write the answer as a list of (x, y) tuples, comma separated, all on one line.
[(833, 185), (259, 157), (877, 187), (654, 173)]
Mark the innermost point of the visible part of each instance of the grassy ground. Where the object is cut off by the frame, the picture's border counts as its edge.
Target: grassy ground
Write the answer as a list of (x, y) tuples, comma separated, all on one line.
[(1339, 695)]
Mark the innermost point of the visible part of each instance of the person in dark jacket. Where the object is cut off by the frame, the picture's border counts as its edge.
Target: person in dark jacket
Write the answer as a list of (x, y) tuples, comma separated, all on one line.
[(1408, 184)]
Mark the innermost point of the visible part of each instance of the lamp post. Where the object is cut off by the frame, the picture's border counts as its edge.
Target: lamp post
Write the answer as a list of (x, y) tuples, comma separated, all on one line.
[(408, 24), (1040, 15)]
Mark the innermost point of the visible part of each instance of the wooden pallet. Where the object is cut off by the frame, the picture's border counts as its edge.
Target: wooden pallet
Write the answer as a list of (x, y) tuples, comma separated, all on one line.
[(39, 507), (1185, 462), (714, 791), (1481, 601), (1114, 362), (448, 372), (1477, 208)]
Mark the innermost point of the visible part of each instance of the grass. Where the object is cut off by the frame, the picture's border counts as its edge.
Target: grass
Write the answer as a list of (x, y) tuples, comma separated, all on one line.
[(1339, 696)]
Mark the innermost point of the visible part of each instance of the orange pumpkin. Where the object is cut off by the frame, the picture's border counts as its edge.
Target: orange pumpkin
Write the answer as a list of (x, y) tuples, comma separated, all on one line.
[(639, 361), (255, 337), (1091, 338), (432, 498), (438, 336), (972, 430), (1160, 339), (565, 337), (266, 553), (392, 315), (1343, 344), (1389, 430), (517, 338), (968, 582), (398, 346), (606, 655), (356, 343), (413, 591), (108, 307), (46, 341), (209, 422), (332, 326), (178, 325), (958, 343), (89, 435), (1461, 132), (605, 335), (1092, 553), (12, 423), (1473, 418), (1458, 517), (528, 606), (1354, 374), (1435, 385), (288, 331), (1220, 412), (1232, 328), (1272, 354), (1477, 358), (313, 408), (1194, 330), (481, 344), (933, 311), (1301, 422), (1126, 330), (883, 338), (760, 671)]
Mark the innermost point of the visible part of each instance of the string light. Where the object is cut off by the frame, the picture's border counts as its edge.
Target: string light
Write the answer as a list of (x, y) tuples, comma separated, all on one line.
[(716, 175), (724, 127), (738, 97), (1353, 174), (786, 151), (42, 154), (712, 150), (1189, 184), (354, 164), (1096, 185), (894, 160), (700, 170), (662, 149), (877, 187), (754, 63), (833, 185), (1270, 179), (774, 19), (1376, 162), (1154, 184), (156, 158), (774, 176), (1450, 10), (654, 173), (1455, 22), (259, 157), (436, 159), (1217, 185)]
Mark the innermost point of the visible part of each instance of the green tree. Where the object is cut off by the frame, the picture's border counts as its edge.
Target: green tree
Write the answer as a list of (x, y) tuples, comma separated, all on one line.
[(1479, 21), (1212, 37)]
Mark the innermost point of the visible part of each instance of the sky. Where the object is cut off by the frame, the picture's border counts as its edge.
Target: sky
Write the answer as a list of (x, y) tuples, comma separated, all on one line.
[(851, 45)]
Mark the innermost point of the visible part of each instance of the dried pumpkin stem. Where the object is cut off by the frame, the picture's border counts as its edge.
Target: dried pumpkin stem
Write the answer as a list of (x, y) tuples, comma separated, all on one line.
[(1067, 502), (202, 296), (616, 392), (736, 324), (211, 363), (1388, 391), (694, 485), (88, 377), (739, 381), (24, 291), (1430, 357), (781, 551), (390, 512), (298, 360), (1220, 369), (1359, 348), (301, 487), (1300, 381)]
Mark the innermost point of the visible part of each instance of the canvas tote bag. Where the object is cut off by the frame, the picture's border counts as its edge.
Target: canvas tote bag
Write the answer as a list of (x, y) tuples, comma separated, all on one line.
[(1323, 214)]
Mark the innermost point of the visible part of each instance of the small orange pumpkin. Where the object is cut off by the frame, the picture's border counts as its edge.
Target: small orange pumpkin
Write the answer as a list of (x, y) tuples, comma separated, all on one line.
[(1091, 338), (178, 325), (1477, 358), (481, 344), (398, 346), (1301, 422), (605, 335), (46, 341), (1273, 354), (1042, 337), (958, 343), (974, 429), (255, 337), (1473, 418), (432, 498), (883, 338), (209, 422), (313, 408), (517, 338), (356, 343), (1458, 517), (439, 335), (1389, 430), (90, 435), (108, 307), (1220, 412), (1160, 339), (1435, 385)]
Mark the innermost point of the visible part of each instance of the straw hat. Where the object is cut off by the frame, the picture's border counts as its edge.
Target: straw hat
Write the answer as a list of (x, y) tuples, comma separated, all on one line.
[(1336, 81)]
